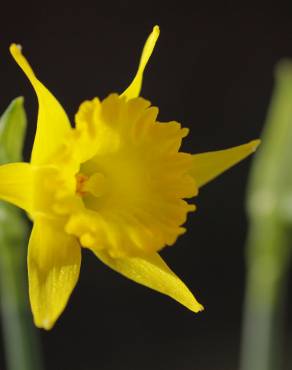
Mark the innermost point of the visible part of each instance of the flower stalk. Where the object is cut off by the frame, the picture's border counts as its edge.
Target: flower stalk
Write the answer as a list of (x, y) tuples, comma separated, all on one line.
[(268, 248), (20, 338)]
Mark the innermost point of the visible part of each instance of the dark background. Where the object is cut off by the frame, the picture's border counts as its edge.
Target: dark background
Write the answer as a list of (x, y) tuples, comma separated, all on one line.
[(213, 71)]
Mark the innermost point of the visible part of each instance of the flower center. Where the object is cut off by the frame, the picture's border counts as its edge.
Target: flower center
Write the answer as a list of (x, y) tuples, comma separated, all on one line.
[(94, 184), (116, 180)]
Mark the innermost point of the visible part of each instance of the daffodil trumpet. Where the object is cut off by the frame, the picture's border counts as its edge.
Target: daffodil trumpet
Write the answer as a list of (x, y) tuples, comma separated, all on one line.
[(116, 184)]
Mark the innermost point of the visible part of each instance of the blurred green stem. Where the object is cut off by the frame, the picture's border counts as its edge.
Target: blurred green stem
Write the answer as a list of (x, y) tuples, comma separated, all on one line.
[(20, 337), (265, 296), (268, 248)]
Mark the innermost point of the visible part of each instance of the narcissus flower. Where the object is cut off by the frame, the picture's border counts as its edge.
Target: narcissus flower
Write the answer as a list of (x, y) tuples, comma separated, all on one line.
[(116, 183)]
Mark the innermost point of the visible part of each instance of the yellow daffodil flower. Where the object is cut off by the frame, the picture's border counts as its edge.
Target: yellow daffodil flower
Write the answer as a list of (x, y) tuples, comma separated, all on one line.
[(116, 184)]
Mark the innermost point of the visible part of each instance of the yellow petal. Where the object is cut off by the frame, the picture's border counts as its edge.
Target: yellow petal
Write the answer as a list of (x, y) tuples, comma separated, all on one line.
[(53, 268), (207, 166), (154, 273), (16, 181), (135, 87), (53, 123)]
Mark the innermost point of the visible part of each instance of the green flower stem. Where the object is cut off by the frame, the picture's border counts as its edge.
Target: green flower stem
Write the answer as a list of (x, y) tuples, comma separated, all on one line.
[(269, 238), (265, 294), (20, 340), (20, 337)]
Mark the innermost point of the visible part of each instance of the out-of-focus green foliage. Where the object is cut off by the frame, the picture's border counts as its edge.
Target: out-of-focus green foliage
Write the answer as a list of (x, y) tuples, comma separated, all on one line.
[(13, 227), (270, 190), (269, 206), (12, 132), (19, 337)]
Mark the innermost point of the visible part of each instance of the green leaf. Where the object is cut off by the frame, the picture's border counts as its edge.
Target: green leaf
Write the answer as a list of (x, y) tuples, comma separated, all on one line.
[(12, 132)]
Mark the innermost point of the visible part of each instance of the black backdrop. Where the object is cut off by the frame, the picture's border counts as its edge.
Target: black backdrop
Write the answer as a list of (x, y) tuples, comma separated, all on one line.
[(213, 71)]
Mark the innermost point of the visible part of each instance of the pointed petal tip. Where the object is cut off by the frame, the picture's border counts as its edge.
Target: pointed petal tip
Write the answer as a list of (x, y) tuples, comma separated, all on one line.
[(16, 52), (15, 49), (255, 144), (198, 308), (54, 260), (45, 324), (154, 34), (134, 88), (152, 272), (53, 123), (156, 30), (194, 305), (207, 166)]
